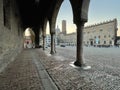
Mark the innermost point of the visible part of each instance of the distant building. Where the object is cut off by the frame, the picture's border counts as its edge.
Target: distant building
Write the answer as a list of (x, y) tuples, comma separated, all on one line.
[(68, 39), (57, 31), (64, 27), (48, 40), (102, 35), (48, 37)]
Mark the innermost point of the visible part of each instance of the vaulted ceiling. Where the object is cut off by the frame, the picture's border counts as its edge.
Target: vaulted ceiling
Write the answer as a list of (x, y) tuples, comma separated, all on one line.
[(33, 12)]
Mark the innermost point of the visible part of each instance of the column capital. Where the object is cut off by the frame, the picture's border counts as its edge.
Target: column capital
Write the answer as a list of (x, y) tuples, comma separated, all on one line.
[(80, 23)]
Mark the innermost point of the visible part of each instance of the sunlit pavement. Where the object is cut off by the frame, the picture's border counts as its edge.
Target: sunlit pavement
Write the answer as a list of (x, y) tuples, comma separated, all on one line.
[(35, 69), (103, 75)]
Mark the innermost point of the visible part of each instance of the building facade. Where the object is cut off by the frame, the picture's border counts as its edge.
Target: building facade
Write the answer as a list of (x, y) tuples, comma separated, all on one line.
[(48, 40), (68, 39), (101, 35)]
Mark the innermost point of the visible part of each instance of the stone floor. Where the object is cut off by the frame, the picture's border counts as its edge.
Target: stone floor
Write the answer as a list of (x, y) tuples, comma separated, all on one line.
[(35, 69), (23, 74), (104, 74)]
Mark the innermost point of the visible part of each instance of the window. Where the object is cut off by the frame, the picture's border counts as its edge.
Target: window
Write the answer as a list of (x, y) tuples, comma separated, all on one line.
[(110, 42), (104, 36), (101, 29), (104, 42), (6, 13), (98, 42), (87, 42), (98, 36)]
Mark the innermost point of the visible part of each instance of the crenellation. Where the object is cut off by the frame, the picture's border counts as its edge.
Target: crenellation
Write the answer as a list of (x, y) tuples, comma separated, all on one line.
[(101, 23)]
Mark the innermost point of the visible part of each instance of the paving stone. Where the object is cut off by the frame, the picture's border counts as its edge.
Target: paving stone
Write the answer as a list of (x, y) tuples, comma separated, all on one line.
[(21, 75), (36, 70), (102, 76)]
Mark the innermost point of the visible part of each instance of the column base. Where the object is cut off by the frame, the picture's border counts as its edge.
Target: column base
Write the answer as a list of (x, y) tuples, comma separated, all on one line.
[(43, 48), (83, 66), (52, 52)]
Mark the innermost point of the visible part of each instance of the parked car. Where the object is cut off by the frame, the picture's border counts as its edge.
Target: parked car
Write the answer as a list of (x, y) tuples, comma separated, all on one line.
[(62, 45)]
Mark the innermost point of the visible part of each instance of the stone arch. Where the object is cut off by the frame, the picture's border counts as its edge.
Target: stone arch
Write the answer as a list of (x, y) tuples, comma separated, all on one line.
[(52, 18), (29, 38), (52, 22), (80, 10), (80, 16)]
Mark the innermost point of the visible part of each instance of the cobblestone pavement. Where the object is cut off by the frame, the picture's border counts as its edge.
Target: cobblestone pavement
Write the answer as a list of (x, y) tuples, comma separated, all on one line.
[(23, 74), (104, 74), (36, 69)]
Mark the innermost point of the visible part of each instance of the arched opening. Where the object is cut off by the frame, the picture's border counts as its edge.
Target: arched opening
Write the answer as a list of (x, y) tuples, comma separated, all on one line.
[(48, 28), (48, 37), (64, 24), (29, 38)]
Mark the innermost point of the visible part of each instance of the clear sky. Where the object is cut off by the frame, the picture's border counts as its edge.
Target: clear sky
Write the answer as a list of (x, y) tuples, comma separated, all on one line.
[(99, 11)]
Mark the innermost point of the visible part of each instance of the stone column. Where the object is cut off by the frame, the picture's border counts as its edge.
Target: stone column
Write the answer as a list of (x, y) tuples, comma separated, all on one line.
[(52, 44), (37, 40), (80, 56), (44, 42)]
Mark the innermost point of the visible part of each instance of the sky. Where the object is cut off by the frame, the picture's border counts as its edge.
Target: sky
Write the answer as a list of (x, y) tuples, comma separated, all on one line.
[(99, 11)]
